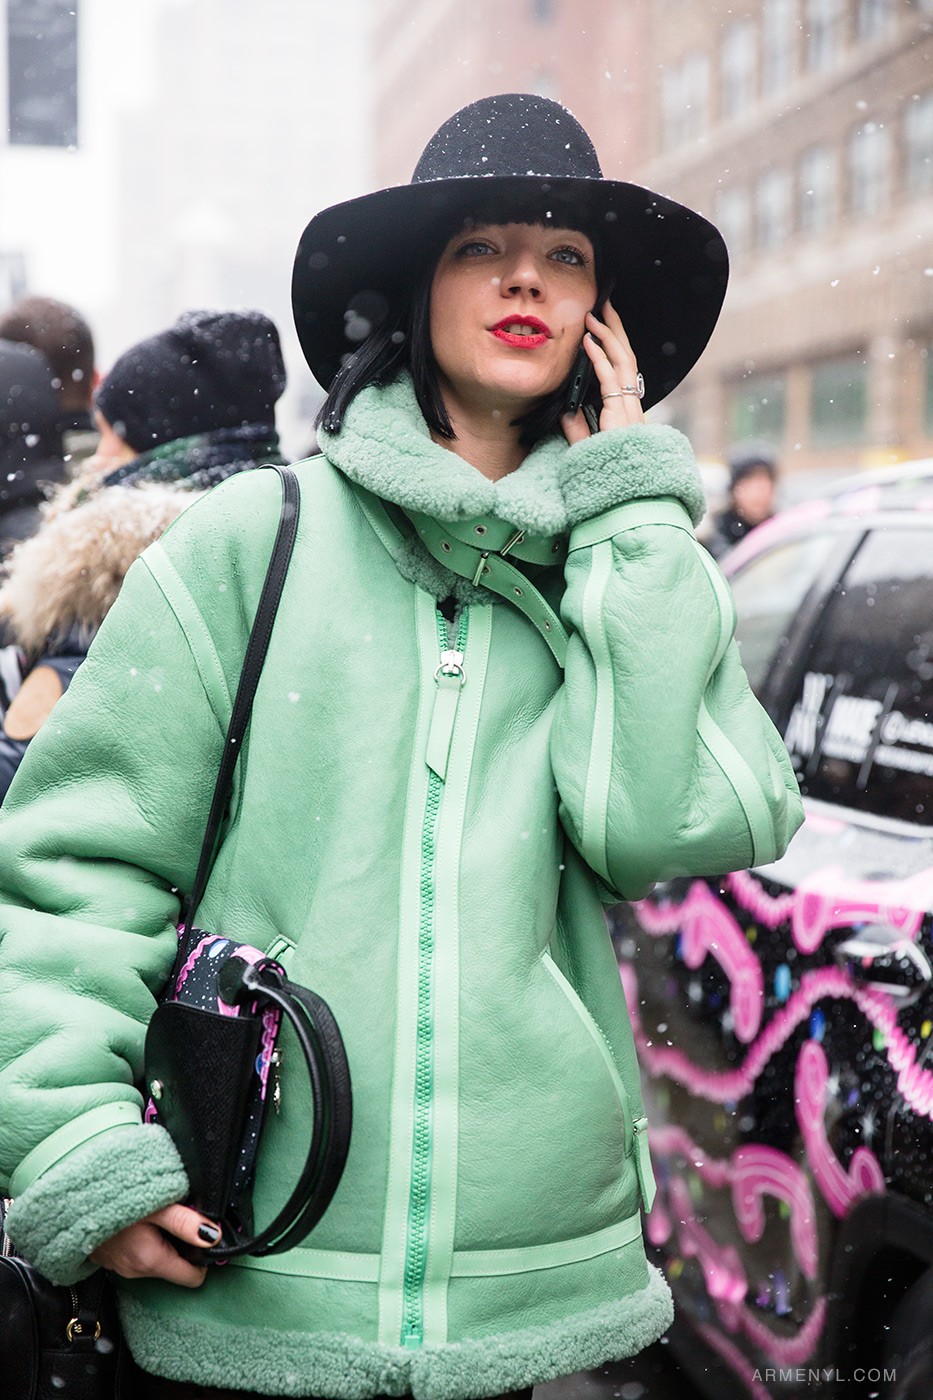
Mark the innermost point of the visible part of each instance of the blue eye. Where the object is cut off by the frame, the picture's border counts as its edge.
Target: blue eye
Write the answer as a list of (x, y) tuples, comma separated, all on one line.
[(572, 256), (475, 249)]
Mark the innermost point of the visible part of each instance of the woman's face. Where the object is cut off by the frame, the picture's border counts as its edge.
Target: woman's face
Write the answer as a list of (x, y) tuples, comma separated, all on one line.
[(508, 303)]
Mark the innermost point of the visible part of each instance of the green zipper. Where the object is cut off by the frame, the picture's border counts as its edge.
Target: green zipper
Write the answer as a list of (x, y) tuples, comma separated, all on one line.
[(449, 679)]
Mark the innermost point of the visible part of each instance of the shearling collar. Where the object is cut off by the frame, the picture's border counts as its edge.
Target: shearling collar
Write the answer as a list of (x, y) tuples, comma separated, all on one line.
[(385, 446)]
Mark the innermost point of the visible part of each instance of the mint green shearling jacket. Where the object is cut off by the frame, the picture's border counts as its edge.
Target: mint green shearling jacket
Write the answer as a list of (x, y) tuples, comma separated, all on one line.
[(443, 891)]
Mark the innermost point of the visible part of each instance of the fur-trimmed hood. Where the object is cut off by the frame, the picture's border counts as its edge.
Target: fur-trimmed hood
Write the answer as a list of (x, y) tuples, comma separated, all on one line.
[(67, 576)]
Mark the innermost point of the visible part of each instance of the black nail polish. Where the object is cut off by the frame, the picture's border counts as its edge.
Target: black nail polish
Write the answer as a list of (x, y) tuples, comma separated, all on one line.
[(209, 1233)]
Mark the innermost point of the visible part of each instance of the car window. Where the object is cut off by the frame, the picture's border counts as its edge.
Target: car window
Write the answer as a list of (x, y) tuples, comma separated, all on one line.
[(768, 592), (861, 729)]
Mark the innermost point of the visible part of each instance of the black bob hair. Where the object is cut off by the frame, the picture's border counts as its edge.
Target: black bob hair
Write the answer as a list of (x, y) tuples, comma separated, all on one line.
[(402, 340)]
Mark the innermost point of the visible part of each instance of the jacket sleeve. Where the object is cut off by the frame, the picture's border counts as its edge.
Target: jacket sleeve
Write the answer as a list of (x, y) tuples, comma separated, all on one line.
[(665, 763), (101, 828)]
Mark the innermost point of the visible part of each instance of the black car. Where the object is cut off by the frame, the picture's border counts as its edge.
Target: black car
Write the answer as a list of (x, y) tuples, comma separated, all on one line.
[(784, 1015)]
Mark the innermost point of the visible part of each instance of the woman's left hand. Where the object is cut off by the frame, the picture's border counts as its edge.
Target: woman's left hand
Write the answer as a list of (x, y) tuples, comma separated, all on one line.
[(616, 370)]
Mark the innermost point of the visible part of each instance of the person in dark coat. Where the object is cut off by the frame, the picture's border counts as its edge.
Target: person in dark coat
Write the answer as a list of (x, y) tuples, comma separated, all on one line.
[(752, 479), (31, 456), (193, 404), (177, 414)]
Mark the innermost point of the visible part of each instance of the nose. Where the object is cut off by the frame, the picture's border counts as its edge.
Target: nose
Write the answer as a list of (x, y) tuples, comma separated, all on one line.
[(523, 276)]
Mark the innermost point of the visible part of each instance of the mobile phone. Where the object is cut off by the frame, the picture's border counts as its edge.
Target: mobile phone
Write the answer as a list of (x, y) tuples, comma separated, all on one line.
[(581, 378)]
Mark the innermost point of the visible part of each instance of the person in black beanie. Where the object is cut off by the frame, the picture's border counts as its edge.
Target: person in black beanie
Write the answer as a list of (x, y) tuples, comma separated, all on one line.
[(184, 409), (752, 479), (31, 453), (195, 403)]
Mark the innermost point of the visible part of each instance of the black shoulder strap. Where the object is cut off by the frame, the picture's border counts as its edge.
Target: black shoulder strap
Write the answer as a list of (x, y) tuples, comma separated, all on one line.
[(256, 650)]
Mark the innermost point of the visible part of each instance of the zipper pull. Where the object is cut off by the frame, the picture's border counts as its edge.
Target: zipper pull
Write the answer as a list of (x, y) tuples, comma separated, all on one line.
[(449, 679), (643, 1164)]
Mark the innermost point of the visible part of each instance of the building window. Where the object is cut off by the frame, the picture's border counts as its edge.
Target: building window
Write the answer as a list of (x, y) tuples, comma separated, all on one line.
[(734, 217), (685, 100), (818, 189), (839, 402), (738, 67), (42, 69), (778, 44), (875, 17), (869, 169), (756, 409), (918, 131), (824, 26), (772, 209)]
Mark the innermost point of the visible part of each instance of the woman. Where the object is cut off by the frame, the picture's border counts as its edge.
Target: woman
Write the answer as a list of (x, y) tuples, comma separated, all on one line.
[(431, 807)]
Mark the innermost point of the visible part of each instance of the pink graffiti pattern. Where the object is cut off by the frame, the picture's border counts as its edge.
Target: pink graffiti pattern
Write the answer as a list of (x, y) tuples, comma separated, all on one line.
[(828, 900), (727, 1285), (761, 1171), (914, 1083), (838, 1186), (707, 927), (825, 900), (726, 1282), (734, 1360), (787, 1351), (752, 1172)]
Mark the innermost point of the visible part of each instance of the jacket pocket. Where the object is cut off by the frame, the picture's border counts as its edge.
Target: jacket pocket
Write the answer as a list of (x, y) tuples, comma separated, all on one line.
[(636, 1129), (601, 1044)]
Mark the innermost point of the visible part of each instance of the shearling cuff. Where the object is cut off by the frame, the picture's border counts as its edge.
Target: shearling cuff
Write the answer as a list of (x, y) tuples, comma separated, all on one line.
[(100, 1188), (635, 463)]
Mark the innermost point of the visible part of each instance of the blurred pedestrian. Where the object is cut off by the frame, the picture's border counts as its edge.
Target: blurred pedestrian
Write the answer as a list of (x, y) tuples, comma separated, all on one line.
[(59, 586), (60, 333), (31, 452), (200, 398), (193, 404), (446, 778), (751, 501)]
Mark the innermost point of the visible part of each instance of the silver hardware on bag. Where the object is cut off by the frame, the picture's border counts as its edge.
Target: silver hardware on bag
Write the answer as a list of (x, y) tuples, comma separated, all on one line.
[(276, 1063), (156, 1089)]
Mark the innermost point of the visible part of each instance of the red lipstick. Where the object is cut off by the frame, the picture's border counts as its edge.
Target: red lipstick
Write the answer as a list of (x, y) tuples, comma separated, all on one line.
[(525, 332)]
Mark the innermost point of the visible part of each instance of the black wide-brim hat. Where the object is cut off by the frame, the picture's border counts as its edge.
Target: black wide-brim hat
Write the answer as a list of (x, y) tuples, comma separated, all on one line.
[(358, 262)]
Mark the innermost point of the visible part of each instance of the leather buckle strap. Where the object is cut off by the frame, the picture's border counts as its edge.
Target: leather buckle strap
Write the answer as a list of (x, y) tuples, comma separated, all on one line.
[(499, 537), (487, 568)]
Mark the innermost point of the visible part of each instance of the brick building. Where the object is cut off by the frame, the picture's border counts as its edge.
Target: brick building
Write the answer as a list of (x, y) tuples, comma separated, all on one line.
[(804, 128)]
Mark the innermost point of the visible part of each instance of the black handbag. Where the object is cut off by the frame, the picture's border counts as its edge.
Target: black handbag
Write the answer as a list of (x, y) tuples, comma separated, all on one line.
[(211, 1053), (58, 1341)]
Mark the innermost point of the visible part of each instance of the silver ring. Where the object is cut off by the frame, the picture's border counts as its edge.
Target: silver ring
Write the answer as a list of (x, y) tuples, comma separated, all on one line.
[(638, 389)]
